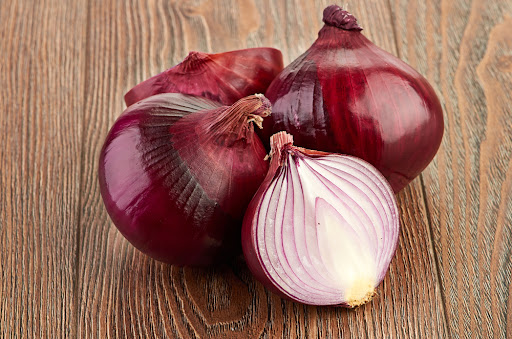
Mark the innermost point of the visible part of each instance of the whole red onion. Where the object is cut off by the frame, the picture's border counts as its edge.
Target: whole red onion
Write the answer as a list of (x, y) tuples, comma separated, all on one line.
[(346, 95), (322, 228), (223, 77), (177, 172)]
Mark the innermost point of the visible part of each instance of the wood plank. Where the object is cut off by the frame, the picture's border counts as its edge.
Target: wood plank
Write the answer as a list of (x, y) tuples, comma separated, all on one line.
[(465, 49), (125, 294), (41, 97)]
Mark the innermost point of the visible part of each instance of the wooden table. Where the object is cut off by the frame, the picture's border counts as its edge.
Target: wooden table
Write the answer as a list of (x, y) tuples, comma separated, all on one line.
[(66, 271)]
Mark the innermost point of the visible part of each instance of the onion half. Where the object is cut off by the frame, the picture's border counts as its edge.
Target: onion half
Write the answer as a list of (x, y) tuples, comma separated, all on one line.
[(322, 228)]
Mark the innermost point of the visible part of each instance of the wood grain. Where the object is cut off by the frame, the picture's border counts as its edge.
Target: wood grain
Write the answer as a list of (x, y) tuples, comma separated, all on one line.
[(465, 49), (41, 96), (122, 293), (66, 271)]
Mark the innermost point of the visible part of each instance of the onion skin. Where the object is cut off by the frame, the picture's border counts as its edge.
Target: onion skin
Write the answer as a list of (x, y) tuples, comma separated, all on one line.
[(223, 77), (177, 172), (346, 95), (311, 241)]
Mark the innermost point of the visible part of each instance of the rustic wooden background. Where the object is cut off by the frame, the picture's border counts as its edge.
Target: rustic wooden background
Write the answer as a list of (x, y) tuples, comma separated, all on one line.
[(65, 270)]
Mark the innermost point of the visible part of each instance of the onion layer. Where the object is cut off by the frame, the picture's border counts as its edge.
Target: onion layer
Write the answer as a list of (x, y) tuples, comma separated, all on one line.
[(346, 95), (322, 228), (223, 77), (177, 173)]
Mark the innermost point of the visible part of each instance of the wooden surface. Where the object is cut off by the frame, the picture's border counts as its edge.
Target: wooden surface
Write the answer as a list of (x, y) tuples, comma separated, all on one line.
[(66, 271)]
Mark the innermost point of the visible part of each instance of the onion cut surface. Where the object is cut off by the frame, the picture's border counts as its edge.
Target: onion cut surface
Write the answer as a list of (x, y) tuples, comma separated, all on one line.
[(322, 228)]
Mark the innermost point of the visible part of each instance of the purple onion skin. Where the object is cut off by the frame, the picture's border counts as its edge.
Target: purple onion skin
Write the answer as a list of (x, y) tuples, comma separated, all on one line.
[(176, 193), (346, 95), (223, 77)]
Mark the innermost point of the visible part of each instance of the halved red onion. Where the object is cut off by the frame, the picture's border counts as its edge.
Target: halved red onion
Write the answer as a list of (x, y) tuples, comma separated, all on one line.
[(223, 77), (322, 228)]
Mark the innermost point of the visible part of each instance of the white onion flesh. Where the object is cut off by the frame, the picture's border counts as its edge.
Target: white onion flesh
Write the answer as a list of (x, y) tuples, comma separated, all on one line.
[(325, 229)]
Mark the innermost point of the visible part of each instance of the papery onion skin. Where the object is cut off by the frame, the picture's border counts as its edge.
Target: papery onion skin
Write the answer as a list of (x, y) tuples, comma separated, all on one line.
[(223, 77), (284, 236), (346, 95), (177, 172)]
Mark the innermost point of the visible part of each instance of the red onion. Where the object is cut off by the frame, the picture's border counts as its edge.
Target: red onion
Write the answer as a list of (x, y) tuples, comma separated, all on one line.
[(322, 228), (224, 77), (346, 95), (177, 173)]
